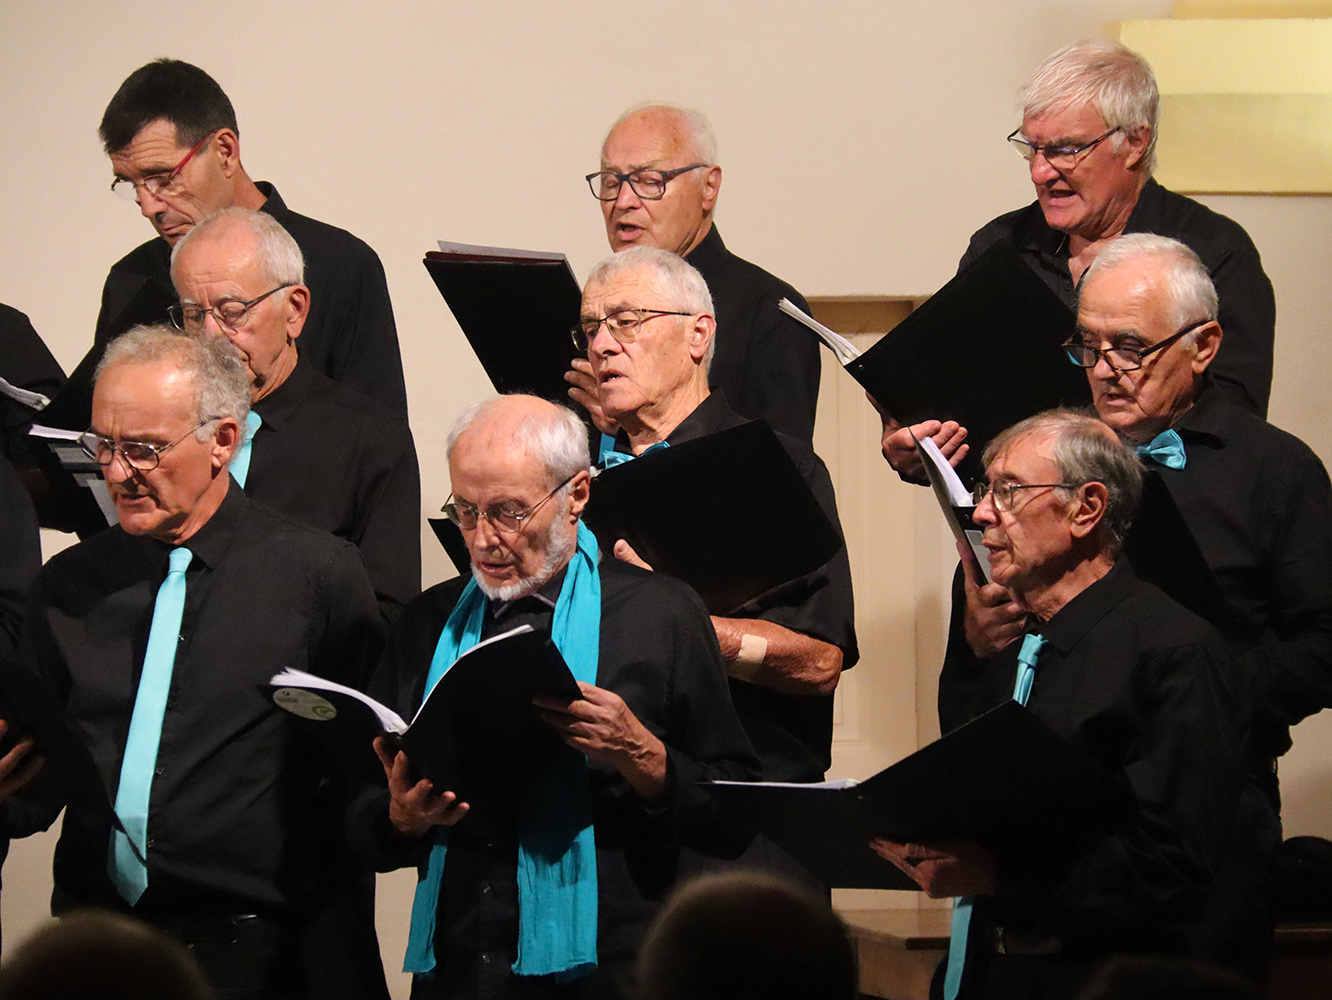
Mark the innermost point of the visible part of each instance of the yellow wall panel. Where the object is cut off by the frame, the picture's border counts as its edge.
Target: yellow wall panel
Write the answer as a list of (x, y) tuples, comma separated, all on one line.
[(1279, 56), (1241, 143)]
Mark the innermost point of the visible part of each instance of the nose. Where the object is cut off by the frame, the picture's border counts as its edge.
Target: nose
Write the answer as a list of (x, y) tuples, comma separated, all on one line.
[(1041, 171), (1103, 371), (149, 203), (484, 535), (985, 513), (117, 470), (603, 343), (627, 197)]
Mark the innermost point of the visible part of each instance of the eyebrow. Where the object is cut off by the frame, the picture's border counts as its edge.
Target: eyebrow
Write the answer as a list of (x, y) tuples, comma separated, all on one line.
[(650, 165), (1115, 337)]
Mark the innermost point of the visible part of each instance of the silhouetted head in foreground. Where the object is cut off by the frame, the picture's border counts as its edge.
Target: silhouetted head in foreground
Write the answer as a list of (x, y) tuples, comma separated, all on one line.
[(743, 935), (101, 956)]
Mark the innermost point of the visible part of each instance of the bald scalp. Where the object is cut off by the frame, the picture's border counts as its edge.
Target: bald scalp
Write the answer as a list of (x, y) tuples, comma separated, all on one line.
[(550, 434)]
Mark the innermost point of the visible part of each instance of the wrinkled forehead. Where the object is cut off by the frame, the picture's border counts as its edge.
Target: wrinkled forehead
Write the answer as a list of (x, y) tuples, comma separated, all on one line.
[(492, 460), (1027, 459), (638, 288), (645, 139)]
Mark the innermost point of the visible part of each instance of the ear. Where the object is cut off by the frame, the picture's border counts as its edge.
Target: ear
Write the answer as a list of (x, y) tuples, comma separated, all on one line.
[(700, 336), (1135, 145), (227, 144), (711, 188), (226, 439), (1090, 507), (580, 488), (298, 304), (1206, 342)]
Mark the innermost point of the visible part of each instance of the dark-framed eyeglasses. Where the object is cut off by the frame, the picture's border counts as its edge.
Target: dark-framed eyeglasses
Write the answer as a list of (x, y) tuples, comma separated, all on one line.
[(141, 456), (622, 325), (1002, 493), (1123, 359), (649, 185), (506, 516), (156, 184), (1059, 157), (229, 313)]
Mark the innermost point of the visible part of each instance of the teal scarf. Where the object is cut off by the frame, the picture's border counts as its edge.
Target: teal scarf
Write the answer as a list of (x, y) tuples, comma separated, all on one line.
[(557, 861)]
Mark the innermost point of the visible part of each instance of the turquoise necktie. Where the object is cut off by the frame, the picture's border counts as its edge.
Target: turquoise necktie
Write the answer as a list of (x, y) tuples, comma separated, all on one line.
[(240, 462), (957, 938), (1167, 448), (145, 732)]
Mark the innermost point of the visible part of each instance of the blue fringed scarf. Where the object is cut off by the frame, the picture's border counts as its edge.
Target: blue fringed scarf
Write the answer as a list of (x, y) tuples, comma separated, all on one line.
[(557, 861)]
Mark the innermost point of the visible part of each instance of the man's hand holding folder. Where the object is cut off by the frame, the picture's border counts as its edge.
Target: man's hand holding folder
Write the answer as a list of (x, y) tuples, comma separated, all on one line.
[(993, 619), (414, 805), (943, 869)]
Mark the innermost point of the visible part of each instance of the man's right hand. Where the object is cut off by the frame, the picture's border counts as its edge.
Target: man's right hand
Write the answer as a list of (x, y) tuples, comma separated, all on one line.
[(16, 767), (899, 444), (583, 391), (993, 618), (413, 805)]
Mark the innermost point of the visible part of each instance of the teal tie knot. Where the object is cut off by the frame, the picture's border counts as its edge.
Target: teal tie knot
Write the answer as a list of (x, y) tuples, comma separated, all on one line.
[(610, 459), (1026, 672), (1167, 449), (128, 847)]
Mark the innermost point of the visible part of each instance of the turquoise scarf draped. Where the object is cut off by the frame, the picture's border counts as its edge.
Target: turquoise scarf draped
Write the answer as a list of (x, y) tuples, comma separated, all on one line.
[(557, 861)]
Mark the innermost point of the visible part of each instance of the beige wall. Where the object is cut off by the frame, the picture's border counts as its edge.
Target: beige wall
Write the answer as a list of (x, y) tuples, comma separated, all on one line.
[(862, 144)]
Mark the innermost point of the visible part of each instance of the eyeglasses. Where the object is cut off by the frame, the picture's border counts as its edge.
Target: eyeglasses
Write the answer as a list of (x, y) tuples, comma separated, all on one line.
[(1059, 157), (507, 516), (156, 184), (1122, 359), (228, 313), (649, 185), (138, 455), (622, 325), (1003, 492)]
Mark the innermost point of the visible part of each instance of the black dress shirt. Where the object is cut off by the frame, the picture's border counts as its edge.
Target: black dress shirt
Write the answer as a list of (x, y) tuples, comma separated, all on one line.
[(20, 554), (1259, 504), (792, 733), (349, 334), (659, 653), (1150, 691), (1243, 366), (344, 464), (243, 817), (25, 362), (765, 362)]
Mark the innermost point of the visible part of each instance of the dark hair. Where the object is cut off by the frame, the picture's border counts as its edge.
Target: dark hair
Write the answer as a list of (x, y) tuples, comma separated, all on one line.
[(167, 89), (746, 935)]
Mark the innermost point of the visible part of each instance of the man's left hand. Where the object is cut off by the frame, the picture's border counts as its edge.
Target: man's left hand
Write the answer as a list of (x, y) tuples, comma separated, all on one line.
[(948, 868), (601, 726)]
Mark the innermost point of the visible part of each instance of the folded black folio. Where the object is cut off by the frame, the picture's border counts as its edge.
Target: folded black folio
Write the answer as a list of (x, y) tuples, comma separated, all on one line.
[(1162, 551), (30, 709), (984, 350), (476, 729), (727, 513), (1005, 780), (516, 310)]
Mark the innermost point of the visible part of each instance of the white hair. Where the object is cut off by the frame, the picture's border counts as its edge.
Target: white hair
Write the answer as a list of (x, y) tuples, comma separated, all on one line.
[(214, 366), (555, 437), (699, 137), (279, 257), (1193, 297), (1112, 78), (677, 280)]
